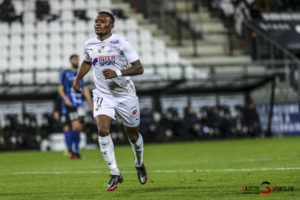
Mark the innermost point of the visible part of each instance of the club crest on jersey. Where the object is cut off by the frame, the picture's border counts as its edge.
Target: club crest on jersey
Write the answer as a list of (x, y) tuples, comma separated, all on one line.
[(101, 49), (134, 112)]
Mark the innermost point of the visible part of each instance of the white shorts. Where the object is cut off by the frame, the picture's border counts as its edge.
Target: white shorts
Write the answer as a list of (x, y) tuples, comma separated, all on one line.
[(127, 107)]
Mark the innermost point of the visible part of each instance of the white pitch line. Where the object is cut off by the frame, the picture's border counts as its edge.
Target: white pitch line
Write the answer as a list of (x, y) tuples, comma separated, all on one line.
[(158, 171)]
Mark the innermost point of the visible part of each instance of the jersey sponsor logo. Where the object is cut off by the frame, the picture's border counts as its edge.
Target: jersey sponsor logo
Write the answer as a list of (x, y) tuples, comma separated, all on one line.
[(107, 60), (114, 42)]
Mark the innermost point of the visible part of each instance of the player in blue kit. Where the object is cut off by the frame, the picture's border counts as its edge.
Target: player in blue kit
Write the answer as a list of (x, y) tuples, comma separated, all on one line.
[(71, 106)]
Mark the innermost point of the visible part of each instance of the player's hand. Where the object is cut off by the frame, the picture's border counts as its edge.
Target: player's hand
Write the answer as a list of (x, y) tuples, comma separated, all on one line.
[(76, 87), (68, 102), (108, 73)]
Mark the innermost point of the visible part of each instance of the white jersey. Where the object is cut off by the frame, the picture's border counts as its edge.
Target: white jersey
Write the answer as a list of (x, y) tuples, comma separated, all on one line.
[(113, 53)]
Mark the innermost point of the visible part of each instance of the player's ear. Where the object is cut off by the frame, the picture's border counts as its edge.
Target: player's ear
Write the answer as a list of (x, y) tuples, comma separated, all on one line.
[(112, 26)]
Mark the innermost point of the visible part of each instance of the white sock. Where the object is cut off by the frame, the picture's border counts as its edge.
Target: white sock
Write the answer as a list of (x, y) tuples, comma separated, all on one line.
[(138, 150), (107, 150)]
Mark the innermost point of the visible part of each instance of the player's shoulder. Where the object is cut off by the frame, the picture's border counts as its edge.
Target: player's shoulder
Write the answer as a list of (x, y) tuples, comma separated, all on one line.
[(65, 71), (119, 38), (91, 41)]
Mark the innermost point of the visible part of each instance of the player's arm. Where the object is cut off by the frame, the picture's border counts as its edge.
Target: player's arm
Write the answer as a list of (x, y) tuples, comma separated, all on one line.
[(84, 69), (64, 96), (87, 95), (135, 69)]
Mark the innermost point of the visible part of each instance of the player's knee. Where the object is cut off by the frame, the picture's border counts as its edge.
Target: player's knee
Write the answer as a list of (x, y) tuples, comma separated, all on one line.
[(76, 126), (102, 131), (133, 137)]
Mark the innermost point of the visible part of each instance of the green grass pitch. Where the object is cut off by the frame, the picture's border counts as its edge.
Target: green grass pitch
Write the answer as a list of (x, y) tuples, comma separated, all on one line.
[(190, 170)]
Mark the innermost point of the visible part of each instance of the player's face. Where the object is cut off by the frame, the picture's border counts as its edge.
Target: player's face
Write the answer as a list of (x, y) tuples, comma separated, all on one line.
[(103, 25), (74, 62)]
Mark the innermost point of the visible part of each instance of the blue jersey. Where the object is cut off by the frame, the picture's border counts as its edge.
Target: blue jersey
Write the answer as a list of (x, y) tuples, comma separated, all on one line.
[(67, 78)]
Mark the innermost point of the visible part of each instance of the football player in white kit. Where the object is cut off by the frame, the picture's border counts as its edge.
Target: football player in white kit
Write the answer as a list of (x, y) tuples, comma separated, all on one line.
[(109, 55)]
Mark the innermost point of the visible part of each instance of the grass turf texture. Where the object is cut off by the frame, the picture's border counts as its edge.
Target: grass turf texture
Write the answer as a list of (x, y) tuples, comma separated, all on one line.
[(194, 170)]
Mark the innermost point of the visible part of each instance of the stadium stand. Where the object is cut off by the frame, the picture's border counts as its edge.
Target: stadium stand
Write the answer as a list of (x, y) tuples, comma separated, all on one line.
[(187, 53)]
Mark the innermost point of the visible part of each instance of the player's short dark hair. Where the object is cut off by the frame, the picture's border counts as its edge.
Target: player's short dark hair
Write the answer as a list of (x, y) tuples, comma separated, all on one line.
[(109, 14), (73, 55)]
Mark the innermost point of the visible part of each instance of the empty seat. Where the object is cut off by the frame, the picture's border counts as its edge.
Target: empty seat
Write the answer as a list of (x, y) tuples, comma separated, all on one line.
[(172, 57), (91, 24), (41, 51), (15, 51), (42, 77), (16, 28), (27, 78), (55, 5), (55, 50), (67, 38), (42, 27), (14, 78), (28, 50), (18, 5), (4, 53), (159, 59), (147, 58), (158, 45), (15, 63), (55, 39), (3, 64), (149, 70), (119, 25), (67, 5), (144, 35), (81, 38), (29, 28), (29, 63), (67, 50), (54, 77), (4, 28), (42, 39), (29, 17), (105, 4), (80, 26), (92, 14), (54, 27), (80, 5), (4, 42), (67, 27), (132, 36), (175, 72), (55, 62), (67, 15), (42, 62), (29, 5), (162, 71), (15, 40), (92, 4), (131, 24)]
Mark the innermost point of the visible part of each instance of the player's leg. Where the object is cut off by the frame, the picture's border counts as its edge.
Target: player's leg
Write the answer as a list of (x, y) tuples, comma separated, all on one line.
[(107, 150), (68, 139), (128, 110), (75, 132), (137, 144), (67, 133)]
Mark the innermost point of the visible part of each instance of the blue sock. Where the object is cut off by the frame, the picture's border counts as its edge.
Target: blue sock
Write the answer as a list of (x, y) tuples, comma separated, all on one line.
[(76, 140), (68, 140)]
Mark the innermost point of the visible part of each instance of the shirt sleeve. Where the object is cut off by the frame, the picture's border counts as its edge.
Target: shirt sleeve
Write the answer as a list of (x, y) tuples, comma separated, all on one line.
[(62, 77), (129, 52), (86, 56)]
